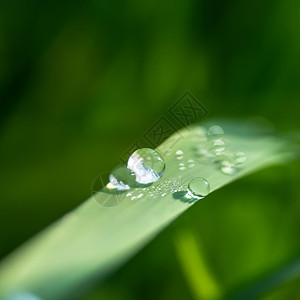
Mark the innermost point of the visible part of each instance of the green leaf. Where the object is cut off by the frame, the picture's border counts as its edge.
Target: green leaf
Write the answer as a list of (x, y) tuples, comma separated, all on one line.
[(94, 240)]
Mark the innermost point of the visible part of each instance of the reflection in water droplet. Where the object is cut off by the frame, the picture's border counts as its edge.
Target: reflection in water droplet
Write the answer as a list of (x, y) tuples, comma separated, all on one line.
[(215, 130), (121, 179), (179, 157), (147, 164), (198, 188)]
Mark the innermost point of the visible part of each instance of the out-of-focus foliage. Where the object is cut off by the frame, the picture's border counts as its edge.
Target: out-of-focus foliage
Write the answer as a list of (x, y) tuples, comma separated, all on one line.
[(81, 80)]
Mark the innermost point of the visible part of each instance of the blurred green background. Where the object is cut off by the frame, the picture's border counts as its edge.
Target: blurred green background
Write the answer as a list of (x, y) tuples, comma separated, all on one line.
[(80, 81)]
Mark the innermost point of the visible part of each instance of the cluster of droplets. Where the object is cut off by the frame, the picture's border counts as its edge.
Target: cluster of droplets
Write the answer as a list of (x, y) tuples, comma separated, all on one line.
[(214, 148), (158, 190), (182, 163), (146, 166)]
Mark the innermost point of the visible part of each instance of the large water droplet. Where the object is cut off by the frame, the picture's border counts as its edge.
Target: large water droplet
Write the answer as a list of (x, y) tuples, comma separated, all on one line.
[(147, 164), (198, 188), (121, 178)]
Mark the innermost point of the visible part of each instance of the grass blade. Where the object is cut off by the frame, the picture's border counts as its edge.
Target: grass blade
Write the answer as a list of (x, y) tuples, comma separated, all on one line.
[(93, 240)]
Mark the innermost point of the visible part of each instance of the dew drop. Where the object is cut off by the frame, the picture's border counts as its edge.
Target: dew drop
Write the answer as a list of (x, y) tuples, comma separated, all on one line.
[(179, 152), (121, 178), (182, 168), (229, 167), (140, 196), (217, 146), (215, 130), (198, 188), (147, 164), (240, 157)]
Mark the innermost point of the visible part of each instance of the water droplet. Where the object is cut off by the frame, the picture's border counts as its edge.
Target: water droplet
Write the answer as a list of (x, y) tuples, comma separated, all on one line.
[(215, 130), (128, 194), (198, 188), (179, 152), (121, 178), (147, 164), (240, 157), (229, 167), (164, 194), (181, 164), (133, 197), (191, 165), (217, 147), (190, 160), (231, 163), (179, 157), (182, 168), (140, 196)]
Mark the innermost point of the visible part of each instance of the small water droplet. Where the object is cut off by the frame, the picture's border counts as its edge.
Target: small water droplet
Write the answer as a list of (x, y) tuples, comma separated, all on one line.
[(181, 164), (217, 146), (191, 165), (140, 196), (182, 168), (198, 188), (121, 178), (190, 160), (133, 198), (228, 167), (128, 194), (240, 157), (164, 194), (215, 130), (147, 164), (179, 157), (179, 152)]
